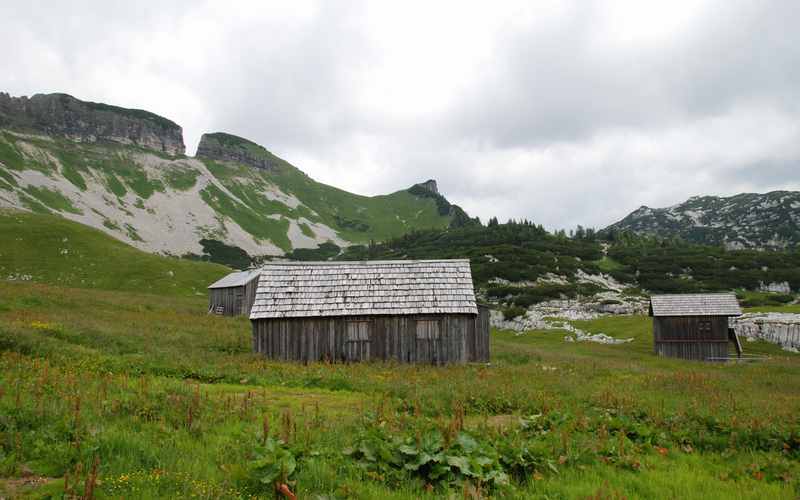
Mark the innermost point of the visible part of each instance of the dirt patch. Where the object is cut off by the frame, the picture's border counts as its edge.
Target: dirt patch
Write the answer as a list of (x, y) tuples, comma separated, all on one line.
[(17, 486), (495, 421)]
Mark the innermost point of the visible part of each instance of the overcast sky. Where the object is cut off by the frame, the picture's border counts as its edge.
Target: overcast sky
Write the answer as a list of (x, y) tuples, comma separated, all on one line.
[(561, 113)]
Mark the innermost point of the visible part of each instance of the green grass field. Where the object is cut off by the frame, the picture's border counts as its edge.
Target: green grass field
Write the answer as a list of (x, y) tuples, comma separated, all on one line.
[(114, 379), (171, 403), (49, 249)]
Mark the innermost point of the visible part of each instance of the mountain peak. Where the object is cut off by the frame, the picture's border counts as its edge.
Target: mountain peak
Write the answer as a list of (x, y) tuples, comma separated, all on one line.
[(747, 220), (220, 146), (84, 121), (430, 185)]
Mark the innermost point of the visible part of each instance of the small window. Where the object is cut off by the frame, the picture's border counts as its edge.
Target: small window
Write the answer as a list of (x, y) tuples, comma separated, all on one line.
[(357, 331), (357, 342), (704, 326), (428, 329)]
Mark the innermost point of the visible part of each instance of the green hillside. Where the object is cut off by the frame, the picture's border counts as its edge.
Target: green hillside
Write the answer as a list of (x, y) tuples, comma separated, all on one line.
[(246, 198), (355, 218), (49, 249), (247, 168)]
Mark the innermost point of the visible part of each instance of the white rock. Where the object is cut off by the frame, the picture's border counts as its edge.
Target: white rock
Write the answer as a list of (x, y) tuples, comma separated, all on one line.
[(778, 328), (776, 287)]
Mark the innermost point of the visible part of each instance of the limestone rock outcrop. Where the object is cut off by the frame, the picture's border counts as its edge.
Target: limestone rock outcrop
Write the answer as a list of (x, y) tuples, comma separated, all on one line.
[(65, 116), (219, 146), (775, 287), (778, 328), (430, 185), (748, 220)]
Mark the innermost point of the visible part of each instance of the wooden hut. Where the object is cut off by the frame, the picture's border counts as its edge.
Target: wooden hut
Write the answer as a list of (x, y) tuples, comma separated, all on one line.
[(409, 311), (234, 294), (694, 326)]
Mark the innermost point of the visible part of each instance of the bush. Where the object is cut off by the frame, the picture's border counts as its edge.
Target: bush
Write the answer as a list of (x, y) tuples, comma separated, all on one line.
[(429, 455), (782, 298), (512, 312), (764, 299)]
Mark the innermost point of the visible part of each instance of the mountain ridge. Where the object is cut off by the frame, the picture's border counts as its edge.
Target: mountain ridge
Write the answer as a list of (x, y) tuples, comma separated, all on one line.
[(63, 115), (109, 168), (746, 220)]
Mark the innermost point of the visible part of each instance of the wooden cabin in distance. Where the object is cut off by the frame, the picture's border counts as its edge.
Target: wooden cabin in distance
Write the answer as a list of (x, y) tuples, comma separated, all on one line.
[(694, 326), (234, 294), (409, 311)]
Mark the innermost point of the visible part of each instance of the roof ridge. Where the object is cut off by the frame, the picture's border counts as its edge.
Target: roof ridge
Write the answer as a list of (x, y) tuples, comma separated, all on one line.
[(235, 278), (358, 262), (691, 294)]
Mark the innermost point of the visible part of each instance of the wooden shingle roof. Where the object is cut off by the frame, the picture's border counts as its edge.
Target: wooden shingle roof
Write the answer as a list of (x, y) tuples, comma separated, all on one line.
[(315, 289), (239, 278), (695, 304)]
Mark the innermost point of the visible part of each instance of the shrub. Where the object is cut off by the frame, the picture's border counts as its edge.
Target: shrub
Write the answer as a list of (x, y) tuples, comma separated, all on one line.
[(512, 312), (430, 456), (274, 463), (782, 298)]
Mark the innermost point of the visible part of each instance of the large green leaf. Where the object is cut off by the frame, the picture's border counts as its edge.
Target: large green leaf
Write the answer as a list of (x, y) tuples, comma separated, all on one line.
[(460, 463), (467, 442)]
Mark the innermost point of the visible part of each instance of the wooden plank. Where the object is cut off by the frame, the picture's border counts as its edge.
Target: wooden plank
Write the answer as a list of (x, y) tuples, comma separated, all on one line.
[(434, 339)]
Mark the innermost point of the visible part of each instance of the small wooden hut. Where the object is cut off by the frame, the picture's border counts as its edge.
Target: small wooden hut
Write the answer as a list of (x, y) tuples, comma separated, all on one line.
[(409, 311), (694, 326), (234, 294)]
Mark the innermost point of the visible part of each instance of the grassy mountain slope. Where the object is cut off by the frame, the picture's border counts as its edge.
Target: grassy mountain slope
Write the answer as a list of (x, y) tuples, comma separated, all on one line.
[(48, 249), (354, 218), (171, 204)]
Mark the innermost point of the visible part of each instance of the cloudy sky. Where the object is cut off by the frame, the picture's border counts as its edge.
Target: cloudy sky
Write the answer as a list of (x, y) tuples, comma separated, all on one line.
[(564, 113)]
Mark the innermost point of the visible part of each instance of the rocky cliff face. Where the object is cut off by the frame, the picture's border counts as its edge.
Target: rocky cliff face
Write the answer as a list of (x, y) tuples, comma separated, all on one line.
[(429, 189), (750, 220), (65, 116), (430, 185), (226, 147)]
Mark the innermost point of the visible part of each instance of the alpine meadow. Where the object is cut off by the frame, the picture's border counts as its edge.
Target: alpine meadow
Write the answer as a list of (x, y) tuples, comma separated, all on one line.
[(375, 250)]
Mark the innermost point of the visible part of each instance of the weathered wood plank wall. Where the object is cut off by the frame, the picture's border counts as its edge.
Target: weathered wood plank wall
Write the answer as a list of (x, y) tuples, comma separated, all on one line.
[(478, 338), (234, 300), (691, 337), (249, 296), (429, 339), (230, 299)]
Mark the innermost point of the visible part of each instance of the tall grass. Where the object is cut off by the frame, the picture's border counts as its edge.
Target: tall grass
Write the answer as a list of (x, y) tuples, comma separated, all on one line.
[(130, 395)]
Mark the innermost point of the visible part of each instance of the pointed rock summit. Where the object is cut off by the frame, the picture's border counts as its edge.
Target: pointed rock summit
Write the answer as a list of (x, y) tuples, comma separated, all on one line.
[(430, 185)]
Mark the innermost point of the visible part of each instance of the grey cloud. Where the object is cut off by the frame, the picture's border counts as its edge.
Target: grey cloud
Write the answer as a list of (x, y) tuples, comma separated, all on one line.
[(556, 85), (557, 123)]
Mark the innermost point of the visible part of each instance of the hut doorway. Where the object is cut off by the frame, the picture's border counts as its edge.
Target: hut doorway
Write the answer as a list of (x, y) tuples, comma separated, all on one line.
[(358, 340), (429, 341)]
